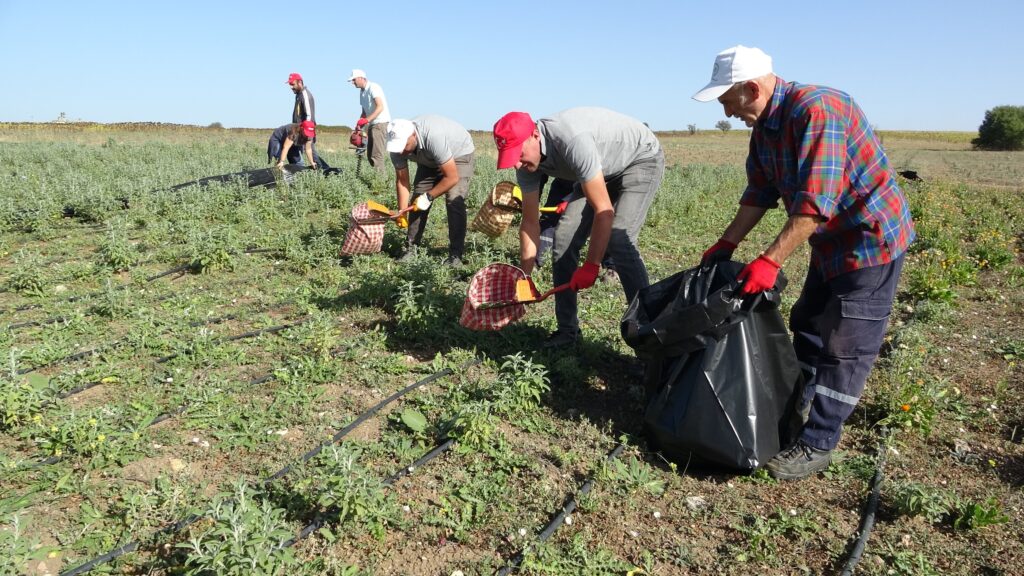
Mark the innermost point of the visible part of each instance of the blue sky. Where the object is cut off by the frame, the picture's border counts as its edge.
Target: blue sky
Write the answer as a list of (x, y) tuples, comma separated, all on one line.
[(935, 65)]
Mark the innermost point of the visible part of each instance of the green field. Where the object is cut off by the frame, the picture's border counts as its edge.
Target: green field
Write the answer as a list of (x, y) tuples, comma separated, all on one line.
[(173, 412)]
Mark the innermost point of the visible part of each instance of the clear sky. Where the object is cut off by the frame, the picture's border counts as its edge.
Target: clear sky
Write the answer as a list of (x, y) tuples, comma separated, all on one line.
[(912, 65)]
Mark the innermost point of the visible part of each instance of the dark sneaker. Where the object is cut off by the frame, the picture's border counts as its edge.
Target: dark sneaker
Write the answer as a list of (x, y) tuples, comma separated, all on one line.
[(408, 256), (798, 461), (453, 261), (563, 338)]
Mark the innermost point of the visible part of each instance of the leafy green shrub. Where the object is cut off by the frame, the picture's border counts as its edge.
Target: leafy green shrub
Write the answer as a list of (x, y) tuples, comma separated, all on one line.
[(971, 515), (116, 252), (245, 538), (22, 399), (914, 499), (350, 494), (1002, 129), (521, 384), (18, 548), (27, 276)]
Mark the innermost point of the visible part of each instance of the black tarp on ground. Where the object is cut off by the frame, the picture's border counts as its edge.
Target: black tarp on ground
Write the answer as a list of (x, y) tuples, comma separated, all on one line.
[(266, 177), (722, 377)]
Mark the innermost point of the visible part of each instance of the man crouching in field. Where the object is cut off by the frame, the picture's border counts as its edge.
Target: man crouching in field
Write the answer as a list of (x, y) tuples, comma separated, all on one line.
[(617, 164), (812, 147)]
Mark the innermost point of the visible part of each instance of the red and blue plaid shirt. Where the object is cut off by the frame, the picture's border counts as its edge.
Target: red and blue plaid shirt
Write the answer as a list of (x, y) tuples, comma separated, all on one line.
[(815, 149)]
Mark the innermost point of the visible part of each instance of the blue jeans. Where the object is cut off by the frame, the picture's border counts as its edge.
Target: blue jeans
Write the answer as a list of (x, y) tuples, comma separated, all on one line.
[(838, 326), (632, 193)]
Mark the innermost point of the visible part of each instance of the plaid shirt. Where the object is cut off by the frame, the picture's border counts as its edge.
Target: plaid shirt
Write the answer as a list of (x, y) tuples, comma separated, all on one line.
[(815, 149)]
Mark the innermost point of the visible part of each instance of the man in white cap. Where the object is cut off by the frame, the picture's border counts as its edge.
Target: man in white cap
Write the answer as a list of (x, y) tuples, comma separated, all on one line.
[(812, 148), (375, 114), (443, 152)]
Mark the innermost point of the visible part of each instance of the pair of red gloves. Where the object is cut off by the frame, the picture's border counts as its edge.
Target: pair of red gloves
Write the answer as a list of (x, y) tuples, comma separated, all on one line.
[(758, 276)]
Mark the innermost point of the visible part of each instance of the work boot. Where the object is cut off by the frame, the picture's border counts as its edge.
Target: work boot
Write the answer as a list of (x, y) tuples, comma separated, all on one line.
[(453, 261), (562, 338), (798, 461)]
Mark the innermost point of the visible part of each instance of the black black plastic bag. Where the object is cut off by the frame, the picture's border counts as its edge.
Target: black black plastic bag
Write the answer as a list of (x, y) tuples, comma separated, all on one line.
[(722, 377)]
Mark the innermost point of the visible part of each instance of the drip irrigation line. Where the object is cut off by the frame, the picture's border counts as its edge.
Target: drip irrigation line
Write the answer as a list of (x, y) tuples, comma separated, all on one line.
[(321, 518), (195, 324), (567, 508), (175, 270), (161, 418), (174, 528), (369, 414), (867, 521), (252, 334)]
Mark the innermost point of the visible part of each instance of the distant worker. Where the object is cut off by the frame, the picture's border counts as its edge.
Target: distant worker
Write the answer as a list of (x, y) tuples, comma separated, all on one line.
[(616, 165), (305, 106), (443, 152), (296, 136), (813, 148), (375, 114)]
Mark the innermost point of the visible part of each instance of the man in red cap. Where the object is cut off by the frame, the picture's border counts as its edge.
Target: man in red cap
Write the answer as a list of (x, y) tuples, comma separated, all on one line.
[(300, 135), (304, 109), (616, 163)]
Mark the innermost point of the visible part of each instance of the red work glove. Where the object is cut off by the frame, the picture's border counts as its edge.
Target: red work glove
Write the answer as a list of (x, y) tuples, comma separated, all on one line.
[(721, 250), (759, 275), (361, 122), (561, 207), (584, 276)]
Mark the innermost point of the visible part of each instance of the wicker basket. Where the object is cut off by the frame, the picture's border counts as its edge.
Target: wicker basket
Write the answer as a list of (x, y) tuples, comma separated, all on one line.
[(498, 211)]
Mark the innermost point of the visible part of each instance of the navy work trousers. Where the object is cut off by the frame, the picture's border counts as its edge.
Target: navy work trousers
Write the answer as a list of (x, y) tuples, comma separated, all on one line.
[(838, 326)]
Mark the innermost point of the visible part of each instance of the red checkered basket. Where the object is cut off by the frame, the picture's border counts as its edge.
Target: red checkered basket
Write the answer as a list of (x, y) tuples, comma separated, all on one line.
[(362, 238), (493, 283)]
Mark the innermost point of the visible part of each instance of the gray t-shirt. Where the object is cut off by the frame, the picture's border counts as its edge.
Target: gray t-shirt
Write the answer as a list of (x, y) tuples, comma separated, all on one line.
[(438, 140), (578, 143)]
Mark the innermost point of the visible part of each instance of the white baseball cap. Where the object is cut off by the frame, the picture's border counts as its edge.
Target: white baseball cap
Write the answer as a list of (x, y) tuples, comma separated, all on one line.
[(356, 73), (398, 134), (737, 64)]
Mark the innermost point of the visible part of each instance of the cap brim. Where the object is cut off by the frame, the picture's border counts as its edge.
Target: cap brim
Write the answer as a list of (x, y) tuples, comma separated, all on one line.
[(509, 157), (711, 92)]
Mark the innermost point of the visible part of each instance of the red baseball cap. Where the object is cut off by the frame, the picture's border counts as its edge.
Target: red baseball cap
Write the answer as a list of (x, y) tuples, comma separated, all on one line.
[(510, 131), (308, 128), (294, 77)]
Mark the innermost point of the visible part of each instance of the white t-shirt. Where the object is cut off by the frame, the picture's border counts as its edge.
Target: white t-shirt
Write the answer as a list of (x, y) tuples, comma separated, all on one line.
[(367, 95)]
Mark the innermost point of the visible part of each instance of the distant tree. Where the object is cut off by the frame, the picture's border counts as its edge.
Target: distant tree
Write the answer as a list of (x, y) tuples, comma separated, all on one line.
[(1002, 129), (692, 128), (216, 126), (723, 125)]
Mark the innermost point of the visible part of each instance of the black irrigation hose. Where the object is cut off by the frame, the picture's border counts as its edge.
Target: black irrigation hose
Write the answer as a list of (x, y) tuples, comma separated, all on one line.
[(556, 522), (115, 343), (134, 545), (321, 519), (161, 418), (370, 413), (55, 319), (175, 270), (867, 521), (252, 334)]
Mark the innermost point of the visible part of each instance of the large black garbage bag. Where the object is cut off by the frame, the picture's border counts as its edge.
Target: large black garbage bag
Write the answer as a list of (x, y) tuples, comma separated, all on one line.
[(722, 376)]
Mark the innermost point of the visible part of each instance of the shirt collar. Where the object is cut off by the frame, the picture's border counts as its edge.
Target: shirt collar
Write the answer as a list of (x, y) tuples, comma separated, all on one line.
[(773, 119), (543, 142)]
